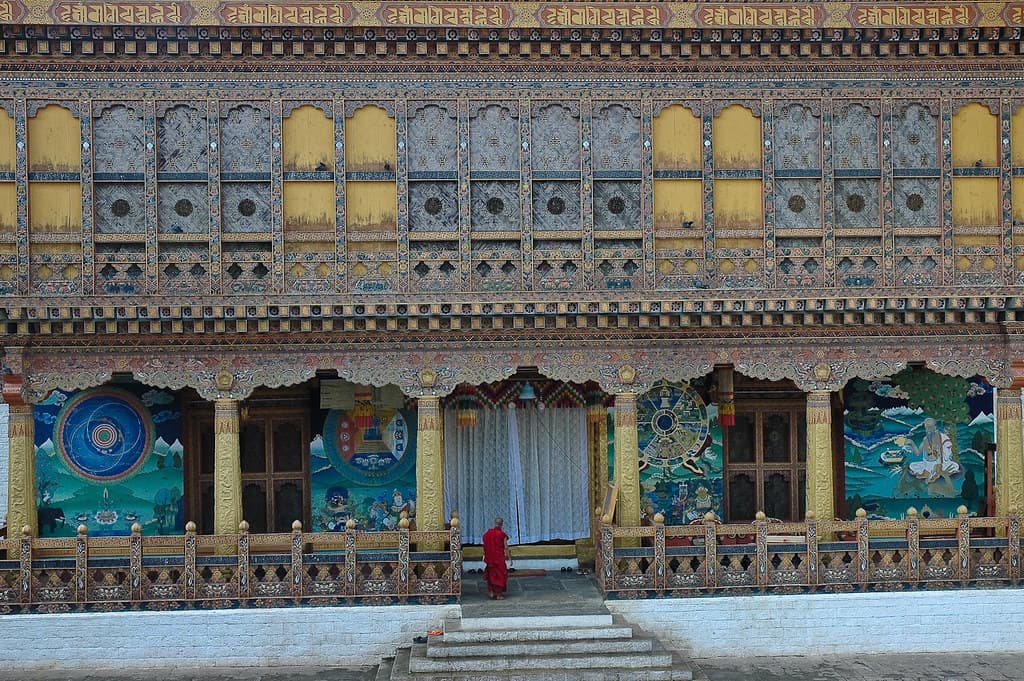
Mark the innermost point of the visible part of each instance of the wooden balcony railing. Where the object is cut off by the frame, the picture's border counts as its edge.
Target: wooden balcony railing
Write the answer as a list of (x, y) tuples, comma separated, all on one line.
[(84, 573), (806, 557)]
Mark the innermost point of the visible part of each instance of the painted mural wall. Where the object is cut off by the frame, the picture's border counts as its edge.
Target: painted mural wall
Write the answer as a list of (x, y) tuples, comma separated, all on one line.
[(680, 445), (363, 467), (918, 440), (108, 458)]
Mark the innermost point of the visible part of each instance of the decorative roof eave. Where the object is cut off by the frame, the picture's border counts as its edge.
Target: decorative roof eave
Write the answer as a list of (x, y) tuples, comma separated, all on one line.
[(517, 15), (42, 320)]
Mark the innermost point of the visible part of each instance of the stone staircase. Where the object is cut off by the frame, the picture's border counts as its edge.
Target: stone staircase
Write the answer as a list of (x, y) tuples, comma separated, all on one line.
[(549, 648)]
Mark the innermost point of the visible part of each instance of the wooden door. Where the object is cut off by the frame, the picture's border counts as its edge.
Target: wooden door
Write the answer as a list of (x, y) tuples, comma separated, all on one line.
[(766, 461), (274, 449)]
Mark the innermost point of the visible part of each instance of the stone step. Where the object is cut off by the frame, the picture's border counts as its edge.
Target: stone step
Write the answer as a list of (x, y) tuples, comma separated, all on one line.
[(438, 649), (458, 635), (385, 670), (398, 670), (419, 662), (552, 622)]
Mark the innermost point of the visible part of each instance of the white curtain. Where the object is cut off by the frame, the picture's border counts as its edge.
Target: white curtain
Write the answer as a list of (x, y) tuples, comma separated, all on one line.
[(527, 465), (476, 470)]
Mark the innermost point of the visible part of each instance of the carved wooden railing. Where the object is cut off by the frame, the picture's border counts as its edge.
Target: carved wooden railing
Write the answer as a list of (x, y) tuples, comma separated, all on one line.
[(811, 556), (241, 570)]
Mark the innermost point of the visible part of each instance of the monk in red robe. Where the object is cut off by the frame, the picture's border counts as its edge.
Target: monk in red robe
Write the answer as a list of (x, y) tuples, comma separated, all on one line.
[(495, 555)]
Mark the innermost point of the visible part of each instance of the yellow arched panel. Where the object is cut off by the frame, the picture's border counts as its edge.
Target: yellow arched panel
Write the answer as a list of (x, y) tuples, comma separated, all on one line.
[(8, 208), (54, 207), (976, 201), (738, 204), (1017, 137), (975, 137), (309, 206), (677, 140), (372, 207), (308, 140), (6, 141), (369, 140), (54, 141), (736, 139), (678, 204)]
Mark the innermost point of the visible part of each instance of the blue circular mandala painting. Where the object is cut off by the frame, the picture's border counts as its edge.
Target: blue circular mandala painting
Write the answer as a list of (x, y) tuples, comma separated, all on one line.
[(104, 434)]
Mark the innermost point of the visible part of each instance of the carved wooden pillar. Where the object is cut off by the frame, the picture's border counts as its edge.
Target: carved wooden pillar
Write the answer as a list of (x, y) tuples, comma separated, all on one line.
[(627, 461), (1009, 453), (21, 474), (820, 481), (429, 464), (227, 469)]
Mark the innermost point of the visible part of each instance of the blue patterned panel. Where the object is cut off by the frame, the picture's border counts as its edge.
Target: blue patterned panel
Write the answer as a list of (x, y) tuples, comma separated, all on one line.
[(245, 140), (495, 206), (556, 138), (798, 204), (916, 202), (494, 139), (245, 207), (855, 138), (616, 205), (915, 137), (797, 138), (616, 130), (120, 208), (433, 135), (182, 141), (119, 141), (433, 207), (183, 208), (556, 206), (857, 203)]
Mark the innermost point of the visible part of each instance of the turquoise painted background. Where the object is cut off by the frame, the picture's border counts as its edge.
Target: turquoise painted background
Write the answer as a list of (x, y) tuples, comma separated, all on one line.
[(892, 462)]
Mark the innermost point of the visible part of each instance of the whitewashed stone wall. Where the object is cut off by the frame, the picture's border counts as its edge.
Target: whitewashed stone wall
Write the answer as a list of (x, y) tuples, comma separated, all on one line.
[(822, 624), (280, 637), (4, 413)]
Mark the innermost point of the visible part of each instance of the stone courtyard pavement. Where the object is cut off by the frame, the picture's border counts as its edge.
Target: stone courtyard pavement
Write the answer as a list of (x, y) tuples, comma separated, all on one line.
[(949, 667)]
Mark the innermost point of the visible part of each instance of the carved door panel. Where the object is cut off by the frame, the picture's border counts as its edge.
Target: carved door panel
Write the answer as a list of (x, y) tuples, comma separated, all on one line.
[(766, 461)]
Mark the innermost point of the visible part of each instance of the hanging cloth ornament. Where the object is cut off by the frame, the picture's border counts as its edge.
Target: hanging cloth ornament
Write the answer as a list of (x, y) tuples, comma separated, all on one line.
[(726, 403)]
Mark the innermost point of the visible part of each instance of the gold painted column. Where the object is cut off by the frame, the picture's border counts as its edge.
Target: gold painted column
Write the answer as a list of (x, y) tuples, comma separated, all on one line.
[(21, 473), (1009, 453), (627, 461), (820, 480), (429, 464), (227, 468)]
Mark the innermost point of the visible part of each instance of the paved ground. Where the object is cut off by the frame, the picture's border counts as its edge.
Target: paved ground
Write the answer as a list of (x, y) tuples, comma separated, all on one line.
[(947, 667), (567, 593), (972, 667)]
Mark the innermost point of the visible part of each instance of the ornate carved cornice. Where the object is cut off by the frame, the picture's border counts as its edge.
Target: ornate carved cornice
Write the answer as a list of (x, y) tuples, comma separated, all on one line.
[(233, 372), (507, 31)]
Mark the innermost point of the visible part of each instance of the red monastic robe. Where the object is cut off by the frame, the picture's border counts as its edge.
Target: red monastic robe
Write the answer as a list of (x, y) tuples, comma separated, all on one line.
[(495, 571)]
